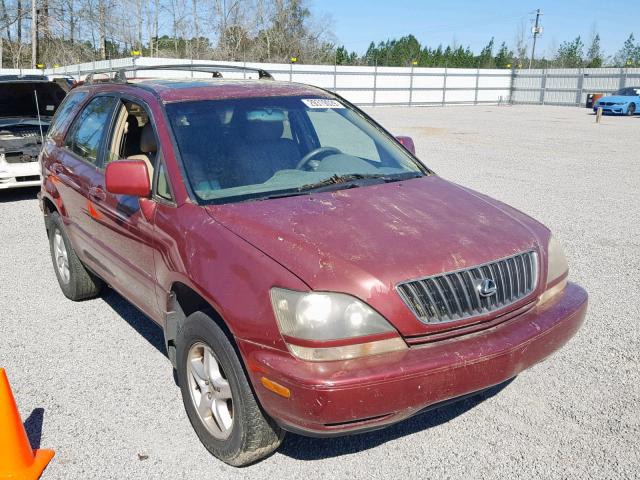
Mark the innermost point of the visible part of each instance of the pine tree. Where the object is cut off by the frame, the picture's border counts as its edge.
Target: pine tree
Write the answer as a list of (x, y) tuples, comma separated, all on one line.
[(570, 53), (504, 57), (594, 54), (629, 55), (485, 59)]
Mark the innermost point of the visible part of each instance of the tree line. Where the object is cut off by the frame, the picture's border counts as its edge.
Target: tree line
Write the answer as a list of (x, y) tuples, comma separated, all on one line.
[(407, 51), (59, 32)]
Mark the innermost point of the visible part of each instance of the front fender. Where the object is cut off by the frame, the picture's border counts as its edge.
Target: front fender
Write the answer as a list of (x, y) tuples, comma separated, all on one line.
[(229, 273)]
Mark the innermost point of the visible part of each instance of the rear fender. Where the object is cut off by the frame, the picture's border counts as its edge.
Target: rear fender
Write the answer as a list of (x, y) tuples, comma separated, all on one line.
[(50, 199)]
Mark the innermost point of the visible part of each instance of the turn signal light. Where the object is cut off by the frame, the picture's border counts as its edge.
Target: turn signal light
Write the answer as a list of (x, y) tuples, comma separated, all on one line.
[(275, 387)]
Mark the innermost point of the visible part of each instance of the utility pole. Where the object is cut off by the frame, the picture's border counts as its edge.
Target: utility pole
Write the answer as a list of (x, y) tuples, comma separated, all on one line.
[(34, 34), (537, 30)]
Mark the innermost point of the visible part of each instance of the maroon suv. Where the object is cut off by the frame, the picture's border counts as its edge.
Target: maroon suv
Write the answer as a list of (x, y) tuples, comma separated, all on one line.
[(309, 272)]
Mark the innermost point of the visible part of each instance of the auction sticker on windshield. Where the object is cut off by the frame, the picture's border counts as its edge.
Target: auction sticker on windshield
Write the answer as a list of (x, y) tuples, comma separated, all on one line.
[(321, 103)]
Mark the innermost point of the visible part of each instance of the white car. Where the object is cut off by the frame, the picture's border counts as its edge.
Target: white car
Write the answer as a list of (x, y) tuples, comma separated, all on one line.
[(22, 126)]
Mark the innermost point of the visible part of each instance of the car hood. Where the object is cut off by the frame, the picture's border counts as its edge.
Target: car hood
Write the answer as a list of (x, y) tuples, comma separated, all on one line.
[(365, 240), (616, 98)]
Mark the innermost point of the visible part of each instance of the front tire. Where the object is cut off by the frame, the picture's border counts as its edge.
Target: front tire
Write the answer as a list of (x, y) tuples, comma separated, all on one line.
[(76, 282), (217, 396), (631, 110)]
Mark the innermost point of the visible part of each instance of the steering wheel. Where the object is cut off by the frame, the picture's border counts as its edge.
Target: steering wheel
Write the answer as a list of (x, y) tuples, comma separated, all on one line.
[(313, 153)]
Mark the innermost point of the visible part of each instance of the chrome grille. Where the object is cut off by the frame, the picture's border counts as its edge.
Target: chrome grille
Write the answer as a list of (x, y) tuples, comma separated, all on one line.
[(455, 295)]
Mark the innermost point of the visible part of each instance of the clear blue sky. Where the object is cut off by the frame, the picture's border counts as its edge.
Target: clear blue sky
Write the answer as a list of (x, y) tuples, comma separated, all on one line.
[(473, 23)]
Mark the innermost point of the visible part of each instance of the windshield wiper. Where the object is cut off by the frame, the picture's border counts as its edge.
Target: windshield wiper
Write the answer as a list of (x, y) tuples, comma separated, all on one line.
[(351, 180), (269, 196), (341, 182)]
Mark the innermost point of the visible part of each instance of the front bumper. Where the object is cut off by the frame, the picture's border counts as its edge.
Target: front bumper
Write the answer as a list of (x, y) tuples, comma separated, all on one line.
[(334, 398), (612, 109), (14, 175)]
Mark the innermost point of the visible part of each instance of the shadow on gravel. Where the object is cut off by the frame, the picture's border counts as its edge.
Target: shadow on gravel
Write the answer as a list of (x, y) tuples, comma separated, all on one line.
[(18, 194), (33, 426), (134, 317), (307, 448)]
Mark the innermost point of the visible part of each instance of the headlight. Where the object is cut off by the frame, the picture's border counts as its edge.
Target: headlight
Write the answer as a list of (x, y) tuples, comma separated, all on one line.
[(557, 270), (331, 326)]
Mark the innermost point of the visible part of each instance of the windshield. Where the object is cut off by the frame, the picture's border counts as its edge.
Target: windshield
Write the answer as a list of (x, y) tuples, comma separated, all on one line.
[(628, 92), (258, 148), (18, 99)]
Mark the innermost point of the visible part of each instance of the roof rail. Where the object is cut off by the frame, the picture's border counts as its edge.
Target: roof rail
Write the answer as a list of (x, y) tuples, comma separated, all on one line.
[(121, 77)]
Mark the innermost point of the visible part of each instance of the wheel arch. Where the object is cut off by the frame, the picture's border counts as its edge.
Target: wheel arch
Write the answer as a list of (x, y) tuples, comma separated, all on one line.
[(51, 201), (48, 207), (182, 301)]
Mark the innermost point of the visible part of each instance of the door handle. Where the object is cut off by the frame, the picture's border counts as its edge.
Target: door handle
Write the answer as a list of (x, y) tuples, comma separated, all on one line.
[(61, 169), (97, 194)]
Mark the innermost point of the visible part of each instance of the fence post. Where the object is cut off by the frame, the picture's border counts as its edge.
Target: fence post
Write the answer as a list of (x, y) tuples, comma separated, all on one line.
[(580, 87), (475, 100), (543, 86), (375, 82), (290, 72), (444, 87), (411, 85), (335, 75), (512, 86), (623, 79)]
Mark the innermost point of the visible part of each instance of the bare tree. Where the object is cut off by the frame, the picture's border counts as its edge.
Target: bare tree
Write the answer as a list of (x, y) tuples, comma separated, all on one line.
[(69, 31)]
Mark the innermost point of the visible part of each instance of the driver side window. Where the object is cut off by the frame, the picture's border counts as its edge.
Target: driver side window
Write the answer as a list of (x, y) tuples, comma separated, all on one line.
[(86, 135)]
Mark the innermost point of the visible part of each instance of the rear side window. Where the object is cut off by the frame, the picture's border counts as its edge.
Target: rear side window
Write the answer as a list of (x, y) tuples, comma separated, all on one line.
[(87, 132), (63, 112)]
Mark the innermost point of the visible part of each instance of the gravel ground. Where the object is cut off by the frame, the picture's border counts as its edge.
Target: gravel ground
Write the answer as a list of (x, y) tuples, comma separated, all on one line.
[(575, 415)]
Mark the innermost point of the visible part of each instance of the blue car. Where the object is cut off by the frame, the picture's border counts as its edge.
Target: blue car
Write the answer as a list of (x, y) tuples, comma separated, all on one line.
[(625, 101)]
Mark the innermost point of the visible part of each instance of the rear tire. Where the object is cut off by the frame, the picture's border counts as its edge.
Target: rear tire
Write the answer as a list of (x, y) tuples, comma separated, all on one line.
[(217, 396), (631, 110), (76, 282)]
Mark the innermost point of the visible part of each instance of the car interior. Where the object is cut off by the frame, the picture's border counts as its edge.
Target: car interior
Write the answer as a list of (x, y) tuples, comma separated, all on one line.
[(270, 146), (134, 138), (249, 146)]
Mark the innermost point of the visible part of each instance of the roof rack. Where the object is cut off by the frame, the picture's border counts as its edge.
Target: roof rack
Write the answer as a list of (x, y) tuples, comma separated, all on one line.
[(215, 69)]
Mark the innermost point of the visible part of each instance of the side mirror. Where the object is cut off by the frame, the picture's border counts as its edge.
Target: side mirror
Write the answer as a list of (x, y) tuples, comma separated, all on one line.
[(128, 177), (407, 142)]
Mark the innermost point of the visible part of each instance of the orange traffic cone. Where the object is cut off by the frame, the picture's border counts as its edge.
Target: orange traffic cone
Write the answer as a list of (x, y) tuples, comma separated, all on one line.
[(18, 461)]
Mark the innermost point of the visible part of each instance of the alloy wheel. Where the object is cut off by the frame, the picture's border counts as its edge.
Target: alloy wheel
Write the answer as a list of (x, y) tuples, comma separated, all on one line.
[(61, 257), (210, 390)]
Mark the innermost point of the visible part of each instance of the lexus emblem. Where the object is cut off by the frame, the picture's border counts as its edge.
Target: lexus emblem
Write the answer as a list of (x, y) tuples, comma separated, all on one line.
[(486, 287)]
